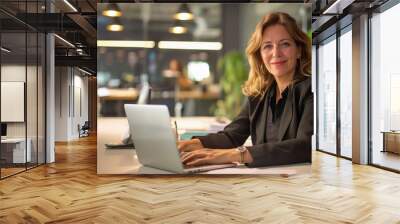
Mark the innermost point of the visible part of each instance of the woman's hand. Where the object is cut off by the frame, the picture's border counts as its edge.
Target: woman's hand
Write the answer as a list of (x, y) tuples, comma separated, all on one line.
[(189, 145), (210, 156)]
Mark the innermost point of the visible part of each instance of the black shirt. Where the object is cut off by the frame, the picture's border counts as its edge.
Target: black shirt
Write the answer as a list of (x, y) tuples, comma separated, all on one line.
[(294, 134), (274, 112)]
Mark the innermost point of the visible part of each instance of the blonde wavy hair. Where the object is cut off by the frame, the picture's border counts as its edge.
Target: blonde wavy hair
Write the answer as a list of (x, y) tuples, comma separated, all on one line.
[(260, 79)]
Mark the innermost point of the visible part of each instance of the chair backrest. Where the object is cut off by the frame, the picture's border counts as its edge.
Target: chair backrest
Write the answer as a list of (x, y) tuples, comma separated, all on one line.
[(86, 125)]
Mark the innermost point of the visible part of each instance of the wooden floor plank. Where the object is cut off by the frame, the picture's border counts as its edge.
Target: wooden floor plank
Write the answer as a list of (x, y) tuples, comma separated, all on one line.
[(70, 191)]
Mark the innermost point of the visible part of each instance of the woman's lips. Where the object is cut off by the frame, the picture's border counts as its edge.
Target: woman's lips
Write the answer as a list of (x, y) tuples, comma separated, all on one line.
[(278, 62)]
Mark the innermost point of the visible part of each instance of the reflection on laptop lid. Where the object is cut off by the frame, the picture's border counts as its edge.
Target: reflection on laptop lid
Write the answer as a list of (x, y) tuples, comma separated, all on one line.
[(155, 139)]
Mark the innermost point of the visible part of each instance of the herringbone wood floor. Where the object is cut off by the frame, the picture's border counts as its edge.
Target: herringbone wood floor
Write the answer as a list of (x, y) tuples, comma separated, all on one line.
[(69, 191)]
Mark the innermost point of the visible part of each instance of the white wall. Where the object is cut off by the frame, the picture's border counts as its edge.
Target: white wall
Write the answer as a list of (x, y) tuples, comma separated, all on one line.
[(71, 102), (61, 103)]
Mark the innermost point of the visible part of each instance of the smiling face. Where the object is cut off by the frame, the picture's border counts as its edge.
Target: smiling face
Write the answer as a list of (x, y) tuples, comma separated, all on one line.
[(279, 52)]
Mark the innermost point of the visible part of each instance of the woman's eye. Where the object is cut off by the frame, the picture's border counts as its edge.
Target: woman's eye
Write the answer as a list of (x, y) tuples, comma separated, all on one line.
[(267, 46), (286, 44)]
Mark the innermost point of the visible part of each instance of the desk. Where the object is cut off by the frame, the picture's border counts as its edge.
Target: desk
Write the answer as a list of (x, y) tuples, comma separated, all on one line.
[(124, 161), (17, 149), (132, 94), (196, 102)]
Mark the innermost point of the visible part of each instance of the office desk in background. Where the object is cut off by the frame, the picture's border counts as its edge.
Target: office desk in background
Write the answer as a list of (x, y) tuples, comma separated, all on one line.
[(124, 161), (391, 141), (13, 150), (196, 102), (132, 94)]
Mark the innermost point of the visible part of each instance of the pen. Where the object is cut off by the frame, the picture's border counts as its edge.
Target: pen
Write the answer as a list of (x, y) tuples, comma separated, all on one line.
[(176, 130)]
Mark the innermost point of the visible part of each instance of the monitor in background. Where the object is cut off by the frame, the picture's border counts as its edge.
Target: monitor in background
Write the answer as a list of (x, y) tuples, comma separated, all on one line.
[(144, 94), (3, 129), (198, 70), (145, 90)]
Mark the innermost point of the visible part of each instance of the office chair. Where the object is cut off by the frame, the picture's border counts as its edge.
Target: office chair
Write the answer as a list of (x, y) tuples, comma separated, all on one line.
[(84, 130)]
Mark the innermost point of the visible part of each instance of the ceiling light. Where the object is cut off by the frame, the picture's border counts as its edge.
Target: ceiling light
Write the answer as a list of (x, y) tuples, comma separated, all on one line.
[(65, 41), (337, 7), (81, 52), (125, 43), (178, 28), (115, 26), (190, 45), (5, 50), (70, 5), (112, 10), (183, 13), (84, 71)]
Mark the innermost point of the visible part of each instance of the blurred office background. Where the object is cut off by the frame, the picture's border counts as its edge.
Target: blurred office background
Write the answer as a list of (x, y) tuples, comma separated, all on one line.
[(181, 56)]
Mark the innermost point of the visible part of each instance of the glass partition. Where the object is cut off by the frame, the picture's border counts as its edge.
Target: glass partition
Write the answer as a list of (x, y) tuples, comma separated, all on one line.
[(327, 95), (13, 105), (41, 96), (345, 93), (31, 98), (22, 89), (385, 89)]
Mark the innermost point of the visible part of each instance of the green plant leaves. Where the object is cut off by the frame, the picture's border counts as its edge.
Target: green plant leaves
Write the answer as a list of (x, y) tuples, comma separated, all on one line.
[(233, 66)]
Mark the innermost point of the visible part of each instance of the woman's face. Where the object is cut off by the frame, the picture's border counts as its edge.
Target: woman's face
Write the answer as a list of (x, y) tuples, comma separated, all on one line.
[(279, 52), (173, 65)]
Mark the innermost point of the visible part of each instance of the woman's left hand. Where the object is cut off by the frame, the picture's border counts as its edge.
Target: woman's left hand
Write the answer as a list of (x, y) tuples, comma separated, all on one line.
[(210, 156)]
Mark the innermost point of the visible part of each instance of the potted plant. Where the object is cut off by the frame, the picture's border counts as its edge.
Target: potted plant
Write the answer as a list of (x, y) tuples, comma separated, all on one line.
[(234, 69)]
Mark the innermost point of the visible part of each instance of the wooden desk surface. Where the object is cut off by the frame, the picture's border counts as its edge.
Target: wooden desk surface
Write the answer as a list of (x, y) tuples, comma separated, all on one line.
[(124, 161), (118, 94)]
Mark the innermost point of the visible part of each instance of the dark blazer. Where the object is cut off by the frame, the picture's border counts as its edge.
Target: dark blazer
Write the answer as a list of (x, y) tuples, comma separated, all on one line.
[(294, 134)]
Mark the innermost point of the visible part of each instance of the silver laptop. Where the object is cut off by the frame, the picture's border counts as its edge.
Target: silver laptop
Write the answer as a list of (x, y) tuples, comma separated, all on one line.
[(155, 140)]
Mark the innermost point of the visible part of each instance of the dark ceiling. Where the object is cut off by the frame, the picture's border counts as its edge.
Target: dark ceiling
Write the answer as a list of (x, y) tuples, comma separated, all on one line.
[(77, 27)]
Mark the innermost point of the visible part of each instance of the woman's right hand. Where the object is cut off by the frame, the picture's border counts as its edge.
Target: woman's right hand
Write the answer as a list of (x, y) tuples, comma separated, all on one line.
[(189, 145)]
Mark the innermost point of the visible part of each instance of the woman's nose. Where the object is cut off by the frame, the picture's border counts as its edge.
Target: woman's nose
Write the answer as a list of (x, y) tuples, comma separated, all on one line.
[(276, 51)]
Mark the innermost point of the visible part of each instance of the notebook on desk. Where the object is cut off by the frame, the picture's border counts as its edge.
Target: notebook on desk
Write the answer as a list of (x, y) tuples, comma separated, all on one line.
[(187, 135)]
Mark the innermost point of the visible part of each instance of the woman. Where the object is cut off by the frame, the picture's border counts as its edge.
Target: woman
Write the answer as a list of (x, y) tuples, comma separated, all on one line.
[(175, 69), (278, 114)]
